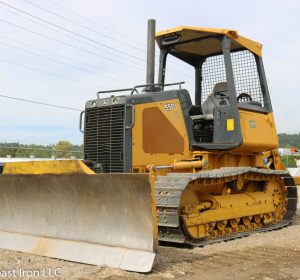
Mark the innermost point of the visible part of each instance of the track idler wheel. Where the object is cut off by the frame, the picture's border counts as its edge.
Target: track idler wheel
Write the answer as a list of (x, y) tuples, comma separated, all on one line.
[(210, 227), (257, 218), (247, 220), (221, 225), (234, 222)]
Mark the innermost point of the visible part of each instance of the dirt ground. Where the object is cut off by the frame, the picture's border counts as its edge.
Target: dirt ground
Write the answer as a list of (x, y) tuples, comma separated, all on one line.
[(266, 256)]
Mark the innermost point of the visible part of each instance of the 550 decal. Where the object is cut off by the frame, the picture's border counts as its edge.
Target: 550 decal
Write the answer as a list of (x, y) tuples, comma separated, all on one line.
[(170, 106)]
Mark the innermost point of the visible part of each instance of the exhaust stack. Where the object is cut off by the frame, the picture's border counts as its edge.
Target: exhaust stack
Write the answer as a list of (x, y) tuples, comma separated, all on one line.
[(150, 55)]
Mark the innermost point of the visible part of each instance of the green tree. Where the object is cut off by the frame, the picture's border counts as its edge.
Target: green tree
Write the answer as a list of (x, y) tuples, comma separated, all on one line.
[(288, 161), (289, 140), (63, 149)]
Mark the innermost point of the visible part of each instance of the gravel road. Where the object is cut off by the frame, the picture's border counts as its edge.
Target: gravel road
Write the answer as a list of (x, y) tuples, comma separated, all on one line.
[(266, 256)]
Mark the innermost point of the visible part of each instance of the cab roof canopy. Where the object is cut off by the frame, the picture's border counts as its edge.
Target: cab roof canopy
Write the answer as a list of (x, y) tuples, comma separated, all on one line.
[(189, 43)]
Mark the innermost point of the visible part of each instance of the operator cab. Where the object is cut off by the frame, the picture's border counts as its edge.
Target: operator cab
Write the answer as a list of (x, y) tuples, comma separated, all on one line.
[(229, 77)]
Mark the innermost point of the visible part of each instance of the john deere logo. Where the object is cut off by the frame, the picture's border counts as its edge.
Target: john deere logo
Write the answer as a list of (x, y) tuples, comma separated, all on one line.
[(252, 124)]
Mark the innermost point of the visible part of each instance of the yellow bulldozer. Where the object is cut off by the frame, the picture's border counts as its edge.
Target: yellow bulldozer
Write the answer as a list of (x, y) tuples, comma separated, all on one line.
[(157, 167)]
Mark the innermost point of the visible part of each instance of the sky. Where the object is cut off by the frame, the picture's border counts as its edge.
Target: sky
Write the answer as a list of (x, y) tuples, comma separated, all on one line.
[(63, 51)]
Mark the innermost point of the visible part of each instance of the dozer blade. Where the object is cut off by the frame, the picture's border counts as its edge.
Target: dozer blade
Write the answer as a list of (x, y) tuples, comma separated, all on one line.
[(100, 219)]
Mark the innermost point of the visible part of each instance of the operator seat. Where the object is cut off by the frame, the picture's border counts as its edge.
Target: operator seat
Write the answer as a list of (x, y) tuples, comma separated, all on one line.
[(219, 96), (203, 117)]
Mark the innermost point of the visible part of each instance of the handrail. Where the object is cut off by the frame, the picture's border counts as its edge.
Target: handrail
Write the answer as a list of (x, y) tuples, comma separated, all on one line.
[(80, 122), (134, 89)]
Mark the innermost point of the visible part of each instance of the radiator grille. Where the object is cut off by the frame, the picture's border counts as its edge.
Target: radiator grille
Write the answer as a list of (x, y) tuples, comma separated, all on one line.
[(104, 137)]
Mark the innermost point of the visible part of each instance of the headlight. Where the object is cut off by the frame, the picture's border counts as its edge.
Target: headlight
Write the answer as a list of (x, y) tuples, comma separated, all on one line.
[(115, 100)]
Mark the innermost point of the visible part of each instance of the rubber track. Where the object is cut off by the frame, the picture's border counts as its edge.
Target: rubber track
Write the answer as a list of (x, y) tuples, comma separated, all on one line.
[(168, 193)]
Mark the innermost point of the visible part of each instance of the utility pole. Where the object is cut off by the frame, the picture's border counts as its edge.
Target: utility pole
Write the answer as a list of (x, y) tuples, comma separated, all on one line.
[(54, 152)]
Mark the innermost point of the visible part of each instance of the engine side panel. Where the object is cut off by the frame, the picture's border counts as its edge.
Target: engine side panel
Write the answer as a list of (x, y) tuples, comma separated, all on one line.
[(159, 135)]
